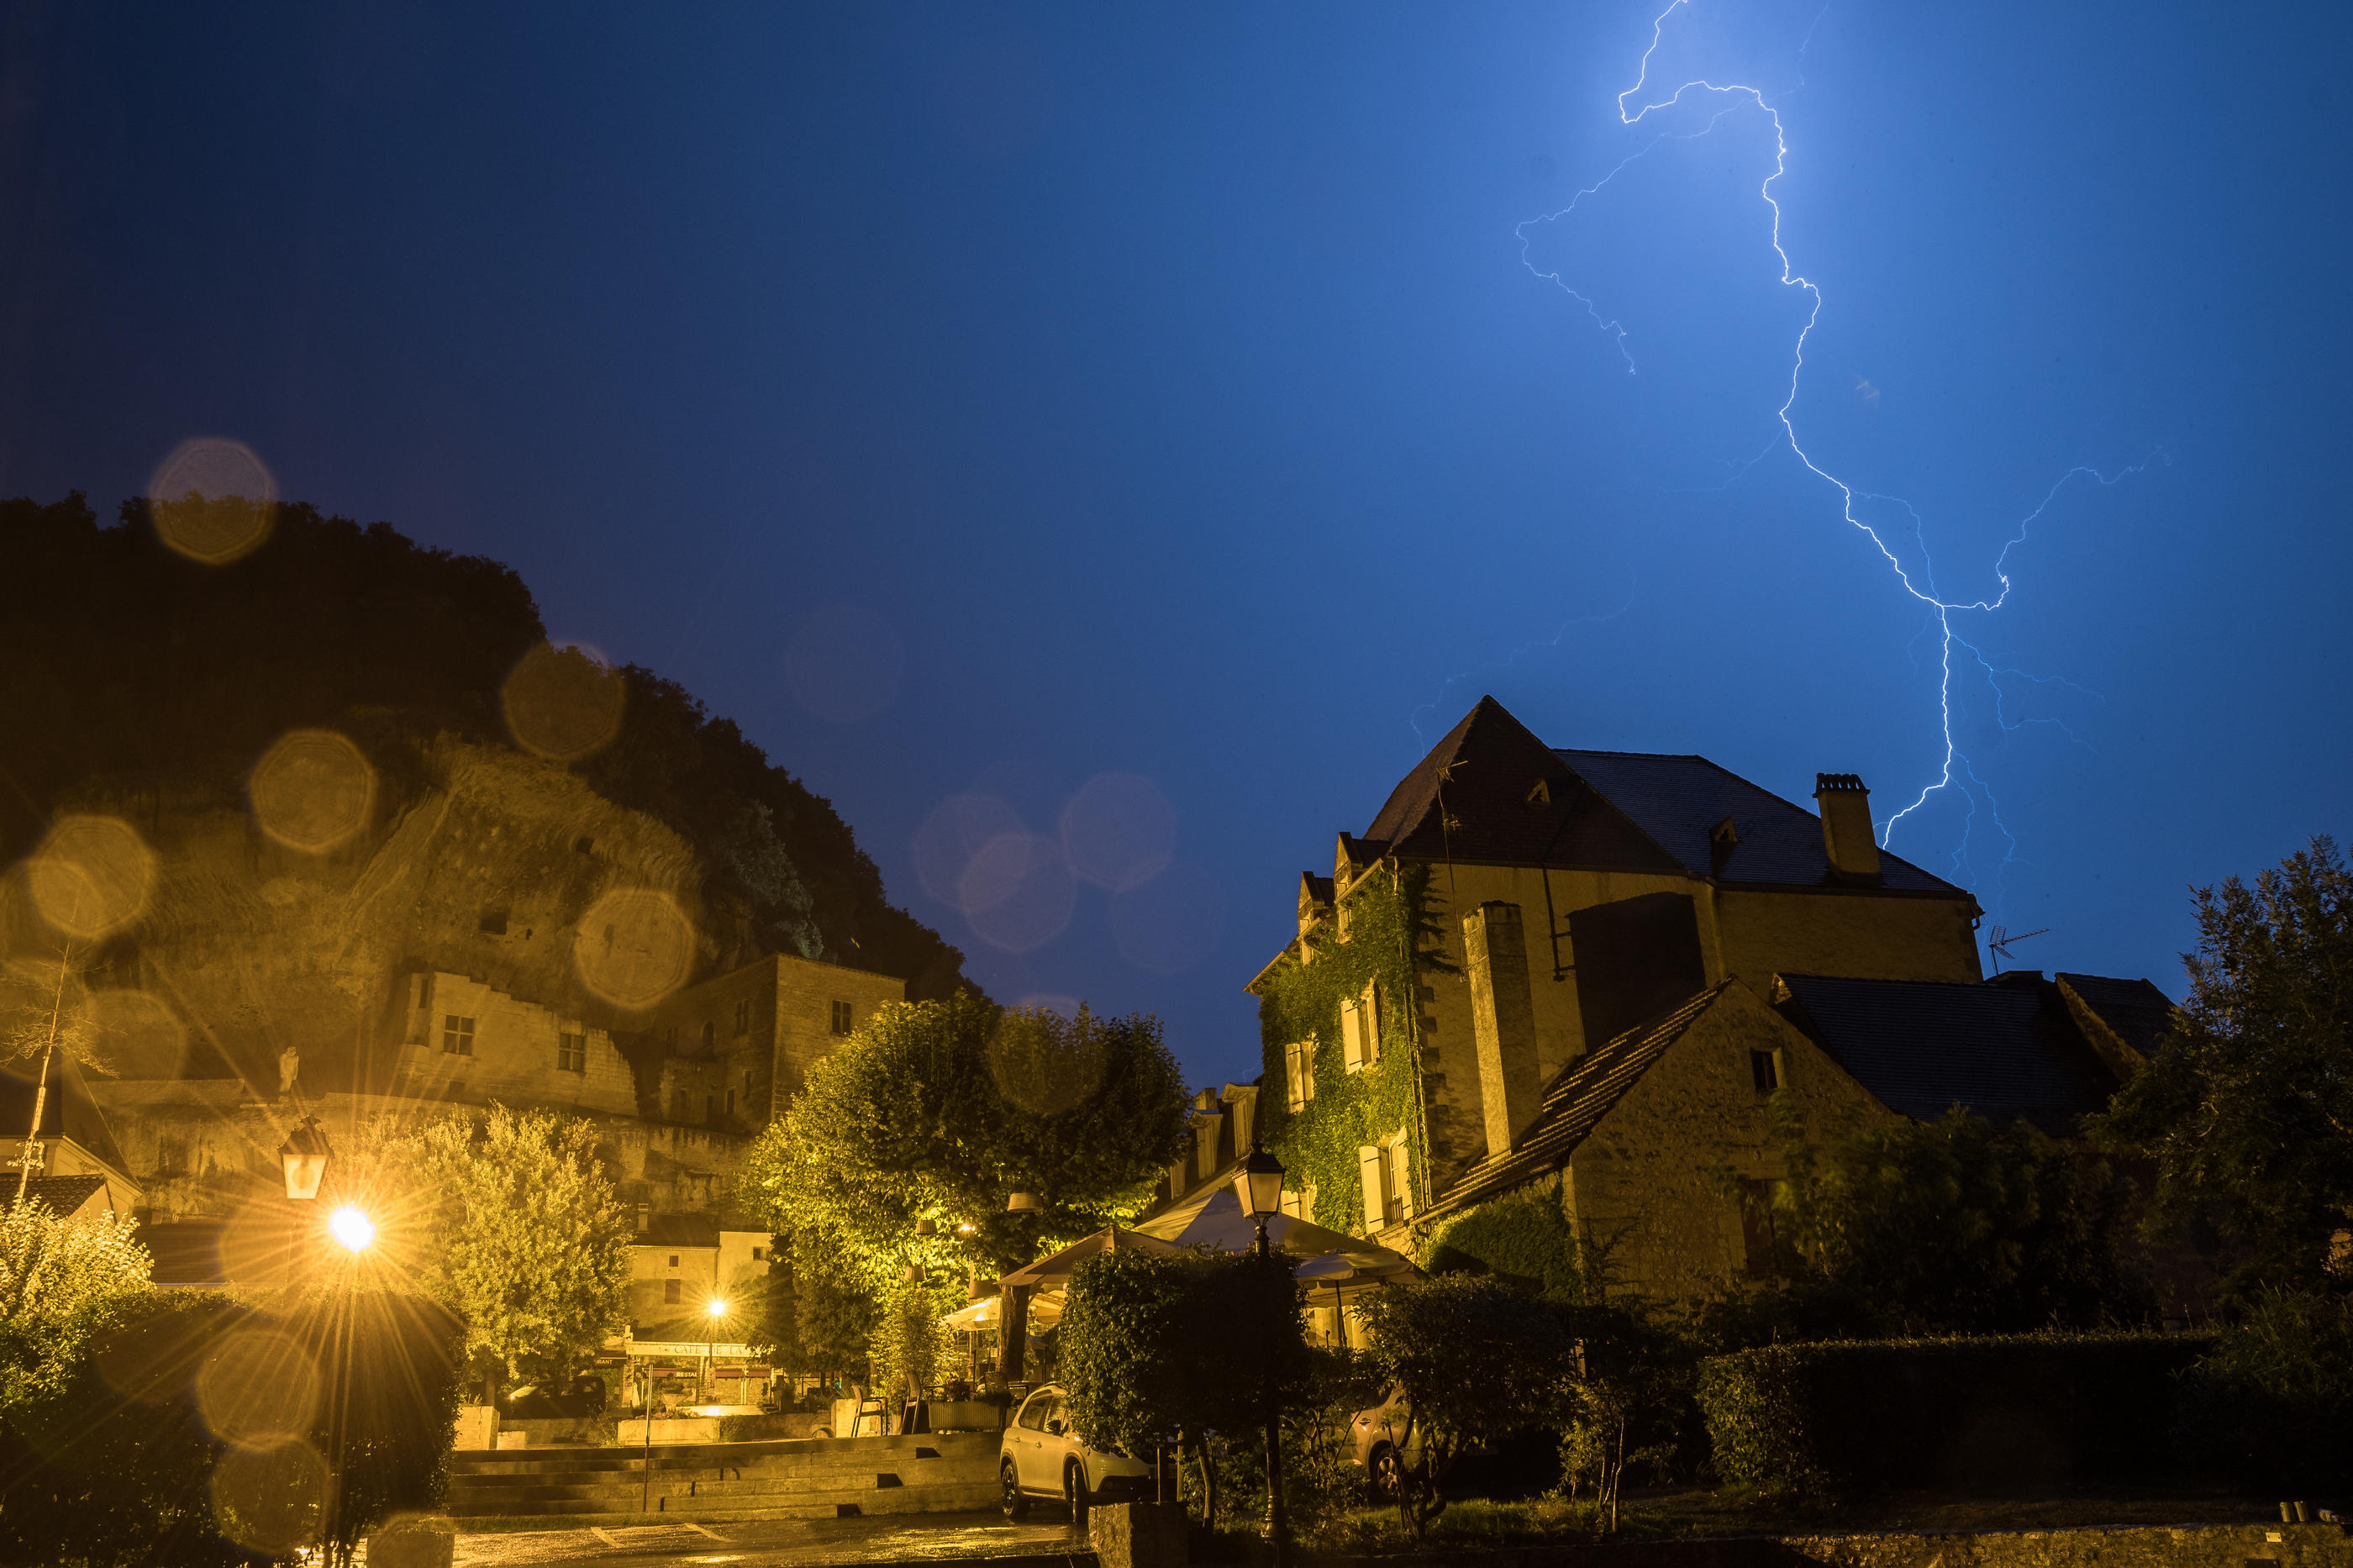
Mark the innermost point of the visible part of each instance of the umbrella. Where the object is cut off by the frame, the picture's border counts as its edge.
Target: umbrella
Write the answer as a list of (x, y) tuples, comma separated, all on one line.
[(989, 1311), (1055, 1272), (1214, 1219)]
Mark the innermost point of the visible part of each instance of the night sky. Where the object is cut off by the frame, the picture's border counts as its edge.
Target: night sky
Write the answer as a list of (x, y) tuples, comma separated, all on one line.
[(973, 401)]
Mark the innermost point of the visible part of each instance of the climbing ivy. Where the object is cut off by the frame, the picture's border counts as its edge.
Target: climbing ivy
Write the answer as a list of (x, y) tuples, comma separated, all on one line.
[(1390, 937)]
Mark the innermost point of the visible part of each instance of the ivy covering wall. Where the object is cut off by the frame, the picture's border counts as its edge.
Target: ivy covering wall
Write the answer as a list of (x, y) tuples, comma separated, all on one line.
[(1388, 932)]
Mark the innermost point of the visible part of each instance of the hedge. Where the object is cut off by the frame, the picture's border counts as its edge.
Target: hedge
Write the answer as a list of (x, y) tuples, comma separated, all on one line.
[(1962, 1413)]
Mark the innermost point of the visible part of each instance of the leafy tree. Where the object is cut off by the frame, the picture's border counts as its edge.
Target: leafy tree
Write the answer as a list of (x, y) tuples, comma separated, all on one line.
[(2246, 1110), (535, 1250), (1955, 1225), (2273, 1401), (1471, 1355), (909, 1347), (1159, 1349), (936, 1110), (59, 1279)]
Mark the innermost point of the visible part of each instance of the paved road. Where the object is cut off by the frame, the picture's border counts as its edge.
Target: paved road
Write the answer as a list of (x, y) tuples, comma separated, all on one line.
[(773, 1544)]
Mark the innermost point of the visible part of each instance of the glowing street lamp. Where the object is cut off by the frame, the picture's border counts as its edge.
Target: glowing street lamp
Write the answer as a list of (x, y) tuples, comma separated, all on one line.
[(304, 1156), (352, 1226)]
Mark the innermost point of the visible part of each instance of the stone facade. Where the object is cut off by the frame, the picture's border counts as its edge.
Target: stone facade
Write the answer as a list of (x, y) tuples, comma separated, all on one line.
[(452, 1038), (738, 1048)]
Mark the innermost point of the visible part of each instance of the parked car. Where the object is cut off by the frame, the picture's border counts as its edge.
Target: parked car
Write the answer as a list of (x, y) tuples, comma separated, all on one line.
[(1041, 1457), (1385, 1440)]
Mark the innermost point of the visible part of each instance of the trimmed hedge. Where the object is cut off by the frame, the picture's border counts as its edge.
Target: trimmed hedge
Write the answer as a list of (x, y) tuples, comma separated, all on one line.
[(1961, 1414)]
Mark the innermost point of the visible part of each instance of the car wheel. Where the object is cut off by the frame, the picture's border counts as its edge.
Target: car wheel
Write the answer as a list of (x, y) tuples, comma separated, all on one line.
[(1074, 1492), (1016, 1507), (1388, 1472)]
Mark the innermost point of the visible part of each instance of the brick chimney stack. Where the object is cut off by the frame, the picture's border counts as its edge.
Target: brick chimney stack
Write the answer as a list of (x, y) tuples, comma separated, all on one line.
[(1847, 837)]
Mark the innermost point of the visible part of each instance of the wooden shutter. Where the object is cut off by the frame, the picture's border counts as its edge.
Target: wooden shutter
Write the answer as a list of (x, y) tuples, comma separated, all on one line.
[(1368, 1172), (1369, 1014), (1293, 1083), (1352, 1035), (1401, 1173)]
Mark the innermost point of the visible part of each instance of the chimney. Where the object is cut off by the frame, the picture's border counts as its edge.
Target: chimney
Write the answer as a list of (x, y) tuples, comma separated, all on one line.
[(1502, 1020), (645, 1218), (1847, 837)]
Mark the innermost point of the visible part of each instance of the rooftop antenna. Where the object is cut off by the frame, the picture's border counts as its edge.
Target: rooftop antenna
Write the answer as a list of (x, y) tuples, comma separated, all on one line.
[(1999, 942)]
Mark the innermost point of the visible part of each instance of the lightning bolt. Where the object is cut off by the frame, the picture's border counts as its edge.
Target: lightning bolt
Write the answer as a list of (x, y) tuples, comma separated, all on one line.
[(1732, 97)]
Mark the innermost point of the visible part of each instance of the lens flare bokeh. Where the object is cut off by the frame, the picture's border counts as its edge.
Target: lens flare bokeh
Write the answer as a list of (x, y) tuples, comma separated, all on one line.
[(92, 876), (312, 790), (212, 500), (634, 947), (564, 704), (1044, 1062)]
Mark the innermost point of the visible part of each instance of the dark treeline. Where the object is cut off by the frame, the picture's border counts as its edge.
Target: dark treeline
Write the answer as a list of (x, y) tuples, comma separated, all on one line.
[(130, 672)]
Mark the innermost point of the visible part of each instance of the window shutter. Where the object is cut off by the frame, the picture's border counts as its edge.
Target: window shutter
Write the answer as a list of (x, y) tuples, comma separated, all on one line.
[(1307, 1068), (1401, 1172), (1352, 1035), (1291, 1084), (1369, 1014), (1368, 1171)]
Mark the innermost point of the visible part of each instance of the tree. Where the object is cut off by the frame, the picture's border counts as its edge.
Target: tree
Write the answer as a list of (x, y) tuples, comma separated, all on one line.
[(2246, 1110), (1471, 1356), (936, 1110), (59, 1279), (535, 1249), (1955, 1225), (1159, 1349)]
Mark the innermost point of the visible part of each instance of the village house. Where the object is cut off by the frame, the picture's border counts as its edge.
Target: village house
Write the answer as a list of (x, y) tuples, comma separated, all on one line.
[(1616, 958)]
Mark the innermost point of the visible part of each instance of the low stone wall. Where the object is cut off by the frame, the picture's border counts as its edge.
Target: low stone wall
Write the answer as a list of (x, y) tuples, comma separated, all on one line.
[(2222, 1546), (2188, 1546)]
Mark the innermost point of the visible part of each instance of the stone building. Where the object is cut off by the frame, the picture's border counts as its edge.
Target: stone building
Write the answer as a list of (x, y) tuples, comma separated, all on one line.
[(734, 1050), (1623, 954)]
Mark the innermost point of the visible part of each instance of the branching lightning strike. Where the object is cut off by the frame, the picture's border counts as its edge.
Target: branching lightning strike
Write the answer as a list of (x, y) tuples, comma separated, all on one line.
[(1731, 97)]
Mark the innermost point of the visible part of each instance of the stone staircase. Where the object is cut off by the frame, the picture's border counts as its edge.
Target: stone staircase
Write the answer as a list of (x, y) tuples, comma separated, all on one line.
[(804, 1477)]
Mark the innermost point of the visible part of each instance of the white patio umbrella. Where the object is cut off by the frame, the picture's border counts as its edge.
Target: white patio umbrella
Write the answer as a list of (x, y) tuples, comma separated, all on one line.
[(988, 1312)]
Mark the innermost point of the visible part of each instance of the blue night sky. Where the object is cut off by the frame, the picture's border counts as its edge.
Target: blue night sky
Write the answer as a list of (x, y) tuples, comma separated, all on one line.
[(976, 401)]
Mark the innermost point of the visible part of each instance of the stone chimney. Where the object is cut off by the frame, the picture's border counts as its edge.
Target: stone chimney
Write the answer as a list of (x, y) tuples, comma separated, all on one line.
[(1502, 1020), (1847, 837)]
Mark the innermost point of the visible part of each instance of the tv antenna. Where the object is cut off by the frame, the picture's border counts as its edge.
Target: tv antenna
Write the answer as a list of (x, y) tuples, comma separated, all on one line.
[(1999, 942)]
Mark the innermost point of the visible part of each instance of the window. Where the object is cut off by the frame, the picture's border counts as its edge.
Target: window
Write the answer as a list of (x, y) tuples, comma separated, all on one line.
[(710, 1105), (709, 1034), (743, 1017), (457, 1035), (731, 1102), (1373, 1172), (673, 1260), (1033, 1415), (842, 1017), (673, 1292), (759, 1254), (572, 1053), (1299, 1072), (493, 922), (1299, 1203), (1764, 1067), (1360, 1036)]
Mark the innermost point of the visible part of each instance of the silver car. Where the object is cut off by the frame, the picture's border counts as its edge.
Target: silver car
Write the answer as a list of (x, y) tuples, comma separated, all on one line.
[(1041, 1457)]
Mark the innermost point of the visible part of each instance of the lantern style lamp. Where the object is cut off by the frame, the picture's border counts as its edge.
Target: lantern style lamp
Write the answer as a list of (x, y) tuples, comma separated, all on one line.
[(304, 1156), (1259, 1185), (1023, 1203), (927, 1227)]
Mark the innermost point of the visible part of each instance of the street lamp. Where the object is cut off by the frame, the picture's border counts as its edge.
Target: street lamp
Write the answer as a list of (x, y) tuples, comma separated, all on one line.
[(304, 1156), (351, 1226), (1259, 1185), (710, 1315)]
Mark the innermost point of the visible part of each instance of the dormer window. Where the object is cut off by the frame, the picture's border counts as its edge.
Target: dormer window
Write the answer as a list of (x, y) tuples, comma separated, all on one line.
[(1539, 795), (1722, 840)]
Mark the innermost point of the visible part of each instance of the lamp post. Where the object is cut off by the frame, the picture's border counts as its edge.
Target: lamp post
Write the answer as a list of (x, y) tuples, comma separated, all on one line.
[(710, 1315), (352, 1230), (1259, 1185)]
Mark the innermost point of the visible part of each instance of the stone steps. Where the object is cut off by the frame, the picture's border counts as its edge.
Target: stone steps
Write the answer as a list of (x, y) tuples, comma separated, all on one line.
[(791, 1479)]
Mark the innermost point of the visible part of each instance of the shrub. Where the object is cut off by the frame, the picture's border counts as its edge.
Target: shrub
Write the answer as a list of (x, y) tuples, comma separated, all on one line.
[(1470, 1355), (129, 1460), (2273, 1401), (1819, 1419), (1156, 1348)]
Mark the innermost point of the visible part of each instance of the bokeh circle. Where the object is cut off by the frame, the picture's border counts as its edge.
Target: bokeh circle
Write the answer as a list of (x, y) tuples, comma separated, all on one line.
[(212, 500), (312, 790), (92, 876), (634, 947)]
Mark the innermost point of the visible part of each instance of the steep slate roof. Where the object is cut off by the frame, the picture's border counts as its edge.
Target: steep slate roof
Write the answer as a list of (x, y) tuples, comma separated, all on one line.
[(2137, 1012), (1574, 1102), (1921, 1047), (1469, 800), (1678, 801), (64, 1194)]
